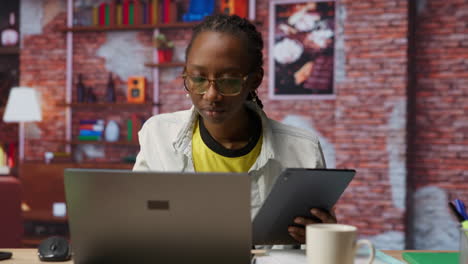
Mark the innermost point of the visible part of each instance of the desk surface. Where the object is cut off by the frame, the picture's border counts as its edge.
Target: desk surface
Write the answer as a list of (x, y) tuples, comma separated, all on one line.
[(29, 256)]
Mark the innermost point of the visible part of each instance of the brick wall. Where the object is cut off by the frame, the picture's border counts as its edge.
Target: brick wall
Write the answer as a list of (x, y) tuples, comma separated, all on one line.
[(441, 143), (42, 66), (365, 123), (438, 150), (374, 86)]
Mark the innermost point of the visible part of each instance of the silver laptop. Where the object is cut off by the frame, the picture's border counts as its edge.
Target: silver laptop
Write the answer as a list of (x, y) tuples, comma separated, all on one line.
[(120, 216)]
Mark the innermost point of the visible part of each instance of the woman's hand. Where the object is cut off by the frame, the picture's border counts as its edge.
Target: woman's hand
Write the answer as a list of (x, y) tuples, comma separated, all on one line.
[(299, 234)]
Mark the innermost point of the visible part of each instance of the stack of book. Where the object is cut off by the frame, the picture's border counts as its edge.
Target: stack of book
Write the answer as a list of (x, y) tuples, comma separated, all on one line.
[(134, 12), (91, 130)]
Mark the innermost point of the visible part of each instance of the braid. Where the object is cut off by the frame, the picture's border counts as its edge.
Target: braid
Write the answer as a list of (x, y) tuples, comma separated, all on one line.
[(237, 26), (254, 97)]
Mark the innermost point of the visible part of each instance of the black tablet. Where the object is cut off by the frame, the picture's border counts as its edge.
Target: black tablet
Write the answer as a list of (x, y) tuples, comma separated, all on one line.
[(294, 193)]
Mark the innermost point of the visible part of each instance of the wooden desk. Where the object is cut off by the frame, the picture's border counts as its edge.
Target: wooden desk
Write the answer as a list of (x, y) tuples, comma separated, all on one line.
[(29, 256), (25, 256)]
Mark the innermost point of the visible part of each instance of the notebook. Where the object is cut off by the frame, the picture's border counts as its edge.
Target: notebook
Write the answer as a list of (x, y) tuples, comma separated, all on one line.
[(299, 257), (431, 257)]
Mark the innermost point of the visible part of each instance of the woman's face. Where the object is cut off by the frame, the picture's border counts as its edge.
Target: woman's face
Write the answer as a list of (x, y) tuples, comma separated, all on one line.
[(216, 55)]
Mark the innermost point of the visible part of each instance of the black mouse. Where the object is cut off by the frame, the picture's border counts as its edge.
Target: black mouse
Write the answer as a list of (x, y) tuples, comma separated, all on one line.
[(54, 249)]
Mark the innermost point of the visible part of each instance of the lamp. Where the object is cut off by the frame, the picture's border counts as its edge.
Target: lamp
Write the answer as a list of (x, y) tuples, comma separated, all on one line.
[(23, 105)]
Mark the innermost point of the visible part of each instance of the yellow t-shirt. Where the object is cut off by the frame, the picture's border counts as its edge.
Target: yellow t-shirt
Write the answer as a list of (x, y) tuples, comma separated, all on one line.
[(206, 159)]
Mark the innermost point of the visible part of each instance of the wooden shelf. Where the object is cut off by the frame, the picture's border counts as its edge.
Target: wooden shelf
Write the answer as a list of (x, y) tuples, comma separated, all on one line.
[(35, 164), (104, 143), (80, 142), (9, 50), (110, 105), (124, 28), (43, 216), (165, 64)]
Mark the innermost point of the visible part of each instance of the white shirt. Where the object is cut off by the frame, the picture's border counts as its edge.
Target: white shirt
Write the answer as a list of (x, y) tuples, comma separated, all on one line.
[(166, 145)]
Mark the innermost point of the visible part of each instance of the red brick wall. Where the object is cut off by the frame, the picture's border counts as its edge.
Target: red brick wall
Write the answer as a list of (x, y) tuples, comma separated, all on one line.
[(441, 104), (42, 66), (375, 47)]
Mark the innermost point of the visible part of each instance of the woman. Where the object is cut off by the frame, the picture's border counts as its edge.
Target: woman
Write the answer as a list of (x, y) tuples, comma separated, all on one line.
[(226, 129)]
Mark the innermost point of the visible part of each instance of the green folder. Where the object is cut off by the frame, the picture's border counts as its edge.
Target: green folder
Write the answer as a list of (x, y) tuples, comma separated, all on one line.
[(431, 257)]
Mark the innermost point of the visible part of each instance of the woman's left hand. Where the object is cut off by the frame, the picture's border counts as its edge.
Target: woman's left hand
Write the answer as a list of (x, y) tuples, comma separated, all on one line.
[(299, 234)]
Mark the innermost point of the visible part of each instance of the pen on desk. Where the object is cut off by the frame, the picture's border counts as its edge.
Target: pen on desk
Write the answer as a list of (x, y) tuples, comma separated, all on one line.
[(455, 212), (460, 206)]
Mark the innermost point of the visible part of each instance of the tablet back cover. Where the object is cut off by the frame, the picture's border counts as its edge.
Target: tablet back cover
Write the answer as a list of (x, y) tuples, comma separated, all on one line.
[(294, 193)]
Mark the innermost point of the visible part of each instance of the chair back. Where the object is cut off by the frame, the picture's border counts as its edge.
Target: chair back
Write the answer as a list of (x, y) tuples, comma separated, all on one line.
[(11, 220)]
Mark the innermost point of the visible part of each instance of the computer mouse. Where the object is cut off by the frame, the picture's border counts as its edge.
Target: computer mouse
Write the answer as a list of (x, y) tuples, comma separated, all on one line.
[(54, 248)]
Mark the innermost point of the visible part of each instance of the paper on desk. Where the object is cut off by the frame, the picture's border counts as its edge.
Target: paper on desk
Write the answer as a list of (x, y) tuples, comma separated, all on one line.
[(299, 257)]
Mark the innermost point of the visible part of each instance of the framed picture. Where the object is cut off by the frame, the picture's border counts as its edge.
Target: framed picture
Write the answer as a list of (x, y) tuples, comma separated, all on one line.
[(301, 49)]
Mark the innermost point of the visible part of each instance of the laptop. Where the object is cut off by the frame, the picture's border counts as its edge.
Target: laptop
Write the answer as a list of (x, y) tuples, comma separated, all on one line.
[(118, 216)]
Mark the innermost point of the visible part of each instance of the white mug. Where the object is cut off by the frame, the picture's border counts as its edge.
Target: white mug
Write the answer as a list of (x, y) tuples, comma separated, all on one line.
[(334, 244)]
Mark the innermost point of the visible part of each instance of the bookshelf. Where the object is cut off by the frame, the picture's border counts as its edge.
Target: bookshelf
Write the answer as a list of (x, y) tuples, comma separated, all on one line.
[(114, 24), (128, 28)]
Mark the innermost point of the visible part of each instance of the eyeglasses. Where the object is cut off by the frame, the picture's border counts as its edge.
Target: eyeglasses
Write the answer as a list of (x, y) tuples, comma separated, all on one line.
[(227, 86)]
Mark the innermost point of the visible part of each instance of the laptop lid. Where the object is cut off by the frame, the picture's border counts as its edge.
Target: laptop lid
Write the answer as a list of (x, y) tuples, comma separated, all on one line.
[(120, 216)]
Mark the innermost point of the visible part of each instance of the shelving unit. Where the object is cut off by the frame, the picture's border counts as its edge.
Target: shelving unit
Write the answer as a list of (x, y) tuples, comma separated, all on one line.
[(9, 50), (103, 143), (70, 29), (107, 105), (165, 65), (126, 28)]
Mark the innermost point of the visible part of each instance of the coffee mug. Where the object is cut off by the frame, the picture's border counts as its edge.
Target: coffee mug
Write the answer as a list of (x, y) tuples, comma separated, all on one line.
[(334, 244)]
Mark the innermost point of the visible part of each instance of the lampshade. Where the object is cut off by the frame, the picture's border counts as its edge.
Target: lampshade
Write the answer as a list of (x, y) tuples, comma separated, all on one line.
[(23, 105)]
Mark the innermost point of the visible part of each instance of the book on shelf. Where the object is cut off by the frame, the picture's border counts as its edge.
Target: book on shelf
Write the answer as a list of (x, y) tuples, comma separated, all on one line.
[(95, 16), (112, 13), (131, 13), (91, 122), (92, 127), (136, 12), (91, 130), (129, 130), (136, 127), (155, 11), (144, 12), (118, 15), (84, 132), (89, 138), (102, 14), (125, 12), (167, 11)]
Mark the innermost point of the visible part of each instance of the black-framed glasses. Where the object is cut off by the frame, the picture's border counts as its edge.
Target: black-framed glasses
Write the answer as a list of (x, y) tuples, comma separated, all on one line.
[(227, 86)]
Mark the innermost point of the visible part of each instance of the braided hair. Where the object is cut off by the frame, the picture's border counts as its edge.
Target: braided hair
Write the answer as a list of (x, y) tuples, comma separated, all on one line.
[(237, 26)]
